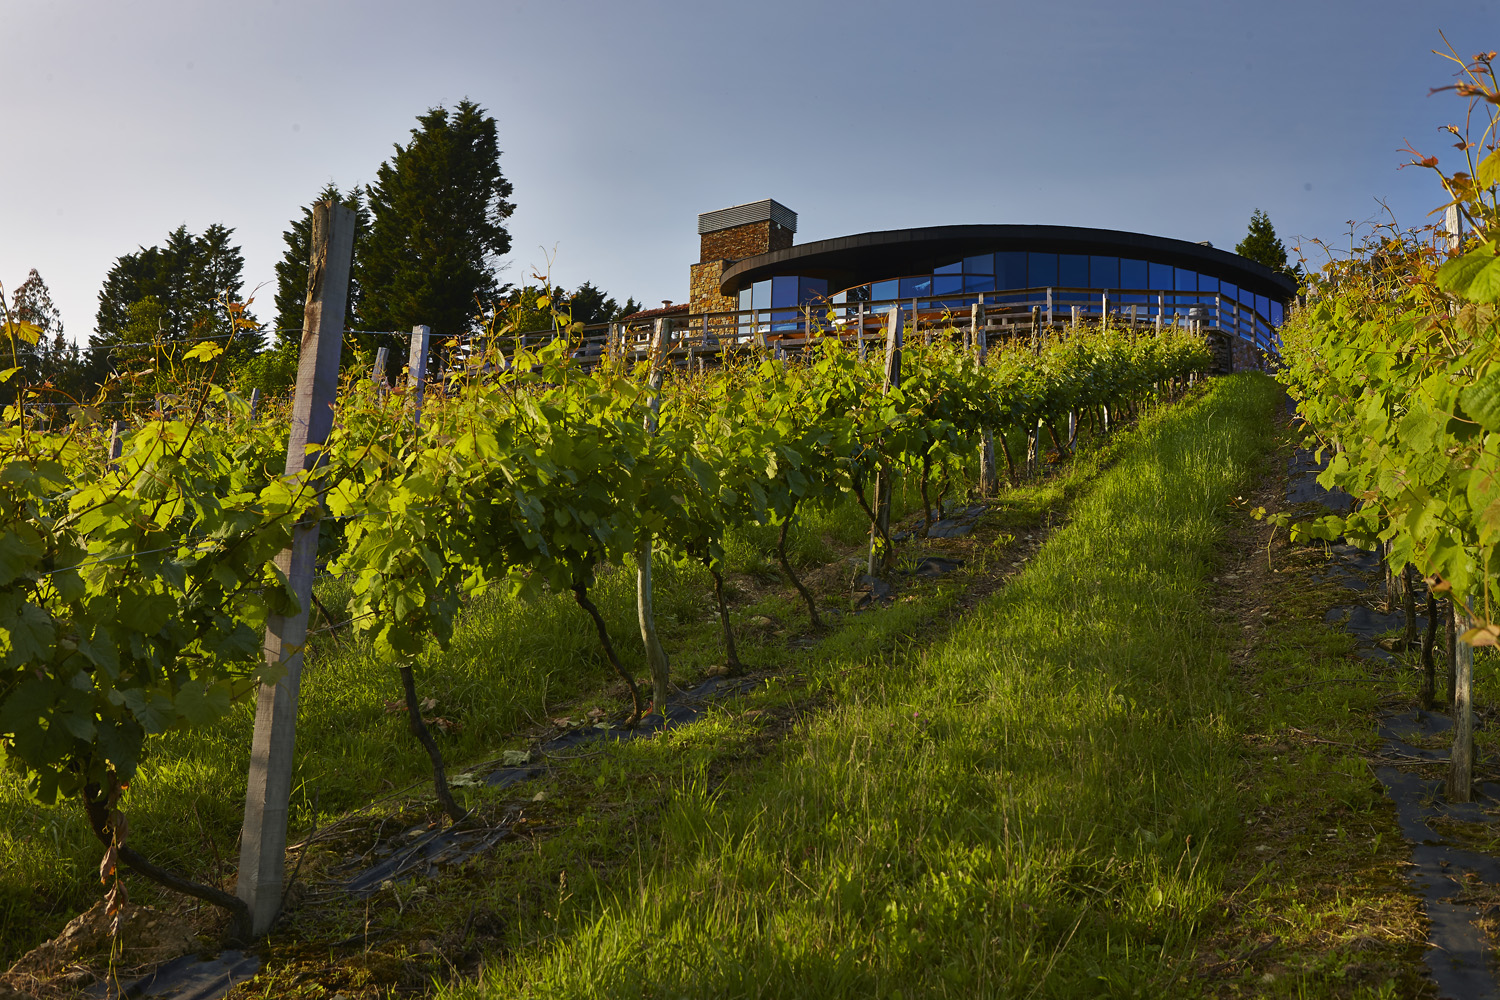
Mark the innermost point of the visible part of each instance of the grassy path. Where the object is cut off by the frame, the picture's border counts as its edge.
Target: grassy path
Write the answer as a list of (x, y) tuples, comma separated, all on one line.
[(1037, 805)]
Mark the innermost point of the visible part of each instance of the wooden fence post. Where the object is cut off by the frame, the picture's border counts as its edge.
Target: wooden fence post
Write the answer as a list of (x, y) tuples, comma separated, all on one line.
[(263, 837), (880, 556), (656, 656), (116, 445), (989, 481), (1452, 644), (254, 401), (416, 369), (1461, 769), (377, 376)]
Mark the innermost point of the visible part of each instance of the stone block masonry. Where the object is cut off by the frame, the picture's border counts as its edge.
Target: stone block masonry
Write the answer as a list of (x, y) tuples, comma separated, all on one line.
[(703, 291), (739, 242)]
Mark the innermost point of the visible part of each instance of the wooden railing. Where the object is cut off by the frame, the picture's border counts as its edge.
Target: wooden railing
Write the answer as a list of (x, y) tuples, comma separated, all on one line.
[(1014, 313)]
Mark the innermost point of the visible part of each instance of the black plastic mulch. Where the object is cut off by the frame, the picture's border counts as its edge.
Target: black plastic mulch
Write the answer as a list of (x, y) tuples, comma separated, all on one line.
[(1442, 870), (187, 978)]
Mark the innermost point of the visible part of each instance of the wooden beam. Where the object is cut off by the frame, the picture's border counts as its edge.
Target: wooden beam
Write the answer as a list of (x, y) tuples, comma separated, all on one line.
[(263, 837)]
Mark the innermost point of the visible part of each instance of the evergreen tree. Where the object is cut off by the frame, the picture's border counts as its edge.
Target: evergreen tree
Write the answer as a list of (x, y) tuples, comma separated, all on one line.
[(291, 270), (591, 305), (173, 296), (50, 362), (1262, 246), (438, 212)]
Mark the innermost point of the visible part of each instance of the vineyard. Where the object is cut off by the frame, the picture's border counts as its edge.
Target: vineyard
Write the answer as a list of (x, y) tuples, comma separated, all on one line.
[(1395, 368), (144, 559)]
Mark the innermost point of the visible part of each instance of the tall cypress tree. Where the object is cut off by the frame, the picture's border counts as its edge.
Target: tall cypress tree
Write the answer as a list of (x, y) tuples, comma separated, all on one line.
[(291, 270), (438, 210), (172, 295), (1262, 246)]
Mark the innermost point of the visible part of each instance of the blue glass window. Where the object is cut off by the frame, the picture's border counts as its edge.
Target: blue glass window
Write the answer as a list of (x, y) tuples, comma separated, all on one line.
[(954, 268), (1073, 270), (881, 291), (912, 287), (1162, 277), (1247, 298), (812, 290), (1276, 313), (1010, 270), (1132, 273), (1208, 284), (947, 284), (1229, 291), (784, 291), (1041, 270), (1187, 281), (1104, 272), (745, 299), (1263, 306), (983, 264), (979, 282), (761, 295)]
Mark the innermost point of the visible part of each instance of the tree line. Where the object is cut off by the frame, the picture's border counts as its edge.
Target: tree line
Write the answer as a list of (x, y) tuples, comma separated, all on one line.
[(431, 233)]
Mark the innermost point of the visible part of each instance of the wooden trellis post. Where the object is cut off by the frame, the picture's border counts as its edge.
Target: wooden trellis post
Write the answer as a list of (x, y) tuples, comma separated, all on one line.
[(880, 555), (377, 376), (263, 837), (656, 656), (1461, 769), (989, 481), (416, 369)]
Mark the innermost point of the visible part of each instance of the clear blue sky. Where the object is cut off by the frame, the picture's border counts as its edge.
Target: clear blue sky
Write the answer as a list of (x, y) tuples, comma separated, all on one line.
[(621, 121)]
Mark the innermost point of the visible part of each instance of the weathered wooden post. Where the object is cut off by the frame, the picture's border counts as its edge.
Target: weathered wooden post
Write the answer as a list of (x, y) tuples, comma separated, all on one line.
[(263, 837), (859, 332), (1461, 769), (254, 401), (1452, 650), (416, 370), (880, 554), (377, 376), (116, 444), (656, 656), (989, 480)]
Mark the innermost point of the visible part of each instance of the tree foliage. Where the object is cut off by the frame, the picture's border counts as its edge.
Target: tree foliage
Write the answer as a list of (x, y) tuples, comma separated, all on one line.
[(438, 210), (1263, 246), (167, 298), (51, 360), (291, 270)]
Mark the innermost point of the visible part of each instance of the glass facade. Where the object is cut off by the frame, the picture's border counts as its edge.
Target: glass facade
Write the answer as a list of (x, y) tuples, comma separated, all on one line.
[(1055, 283)]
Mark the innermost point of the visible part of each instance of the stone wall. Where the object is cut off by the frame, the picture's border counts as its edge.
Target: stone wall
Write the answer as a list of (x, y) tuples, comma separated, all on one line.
[(703, 290), (739, 242)]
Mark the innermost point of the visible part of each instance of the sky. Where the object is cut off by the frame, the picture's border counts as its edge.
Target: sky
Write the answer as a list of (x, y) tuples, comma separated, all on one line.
[(620, 122)]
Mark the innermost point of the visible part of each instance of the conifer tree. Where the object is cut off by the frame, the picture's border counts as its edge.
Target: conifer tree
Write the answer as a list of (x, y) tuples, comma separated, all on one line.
[(1262, 245), (438, 210), (52, 361), (291, 270), (172, 295)]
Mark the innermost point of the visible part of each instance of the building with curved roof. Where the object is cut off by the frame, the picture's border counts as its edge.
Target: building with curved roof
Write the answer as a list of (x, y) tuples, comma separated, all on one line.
[(750, 264)]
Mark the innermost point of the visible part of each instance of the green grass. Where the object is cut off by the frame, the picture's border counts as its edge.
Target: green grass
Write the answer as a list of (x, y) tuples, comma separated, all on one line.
[(1037, 805)]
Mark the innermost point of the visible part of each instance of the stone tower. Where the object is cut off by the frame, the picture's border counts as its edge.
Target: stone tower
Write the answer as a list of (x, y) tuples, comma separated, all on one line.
[(732, 234)]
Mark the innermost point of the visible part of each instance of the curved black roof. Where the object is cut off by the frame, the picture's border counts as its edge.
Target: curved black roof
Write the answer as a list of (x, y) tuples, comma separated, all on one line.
[(856, 260)]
